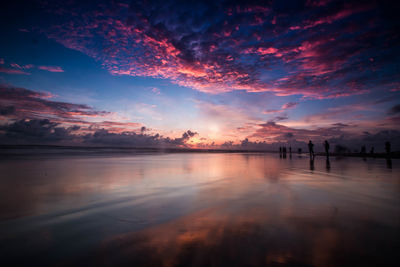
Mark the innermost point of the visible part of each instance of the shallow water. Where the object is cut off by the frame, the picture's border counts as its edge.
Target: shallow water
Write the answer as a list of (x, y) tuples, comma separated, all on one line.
[(200, 210)]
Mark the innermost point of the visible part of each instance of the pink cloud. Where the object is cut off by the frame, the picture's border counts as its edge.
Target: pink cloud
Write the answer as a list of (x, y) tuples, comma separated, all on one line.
[(156, 90), (346, 12), (51, 68), (274, 132), (23, 104), (18, 66), (34, 104), (317, 3), (262, 51), (15, 65), (344, 113), (223, 57), (284, 107), (290, 105), (267, 51), (13, 71), (272, 111)]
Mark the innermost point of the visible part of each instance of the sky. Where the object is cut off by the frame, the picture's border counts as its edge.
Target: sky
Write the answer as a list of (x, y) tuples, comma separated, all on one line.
[(200, 74)]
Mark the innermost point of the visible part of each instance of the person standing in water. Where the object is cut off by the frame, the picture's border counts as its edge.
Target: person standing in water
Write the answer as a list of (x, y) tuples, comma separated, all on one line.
[(311, 149), (326, 146)]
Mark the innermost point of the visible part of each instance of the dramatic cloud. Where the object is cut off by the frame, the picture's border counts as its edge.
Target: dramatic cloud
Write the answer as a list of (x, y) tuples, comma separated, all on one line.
[(104, 137), (48, 132), (272, 131), (32, 104), (20, 103), (326, 50), (31, 117), (282, 59), (35, 132), (346, 113), (271, 135)]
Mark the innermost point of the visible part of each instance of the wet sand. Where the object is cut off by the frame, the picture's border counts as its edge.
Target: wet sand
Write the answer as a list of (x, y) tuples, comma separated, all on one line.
[(199, 209)]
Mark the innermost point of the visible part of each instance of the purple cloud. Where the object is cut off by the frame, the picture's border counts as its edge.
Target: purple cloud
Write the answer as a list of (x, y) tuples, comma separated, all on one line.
[(51, 68), (290, 105), (13, 71), (31, 117), (48, 132), (35, 105), (319, 51)]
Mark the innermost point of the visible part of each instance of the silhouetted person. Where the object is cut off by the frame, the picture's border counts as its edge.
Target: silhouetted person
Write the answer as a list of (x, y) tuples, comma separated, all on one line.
[(326, 146), (284, 152), (387, 148), (280, 152), (311, 150), (372, 151), (290, 152)]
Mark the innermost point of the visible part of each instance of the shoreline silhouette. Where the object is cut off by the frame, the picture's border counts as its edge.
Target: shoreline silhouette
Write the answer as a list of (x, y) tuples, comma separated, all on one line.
[(6, 150)]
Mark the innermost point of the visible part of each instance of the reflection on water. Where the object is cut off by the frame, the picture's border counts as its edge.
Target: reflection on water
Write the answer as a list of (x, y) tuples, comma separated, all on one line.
[(199, 209)]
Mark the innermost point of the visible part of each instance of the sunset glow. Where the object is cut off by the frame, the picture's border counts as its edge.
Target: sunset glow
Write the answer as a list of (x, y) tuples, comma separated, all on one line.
[(227, 71), (200, 133)]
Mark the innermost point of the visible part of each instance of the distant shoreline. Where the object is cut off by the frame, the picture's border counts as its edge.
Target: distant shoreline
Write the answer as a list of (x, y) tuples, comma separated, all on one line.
[(56, 149)]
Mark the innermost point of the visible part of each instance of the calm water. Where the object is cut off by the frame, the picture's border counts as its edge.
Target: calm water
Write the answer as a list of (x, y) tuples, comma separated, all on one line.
[(199, 210)]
